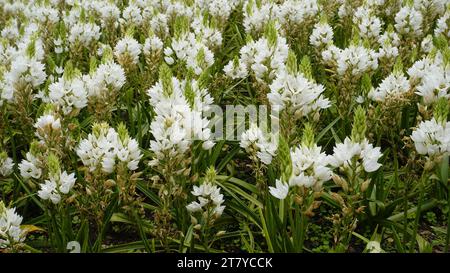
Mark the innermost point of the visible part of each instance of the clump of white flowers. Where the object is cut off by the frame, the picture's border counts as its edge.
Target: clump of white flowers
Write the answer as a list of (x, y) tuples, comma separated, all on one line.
[(353, 60), (83, 34), (369, 25), (431, 78), (300, 96), (6, 164), (393, 86), (127, 51), (59, 182), (31, 166), (259, 144), (432, 137), (187, 48), (105, 148), (209, 199), (408, 21), (25, 71), (68, 93), (263, 58), (322, 34), (181, 108), (108, 78), (356, 151), (10, 231)]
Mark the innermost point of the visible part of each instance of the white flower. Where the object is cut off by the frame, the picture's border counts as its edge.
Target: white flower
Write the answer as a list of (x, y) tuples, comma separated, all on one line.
[(280, 190), (355, 60), (49, 191), (30, 167), (67, 94), (408, 21), (126, 48), (344, 153), (104, 148), (296, 93), (321, 35), (6, 165), (24, 71), (309, 167), (84, 34), (195, 54), (152, 45), (394, 85), (108, 77), (179, 122), (10, 230), (208, 196), (254, 140), (432, 137), (374, 247)]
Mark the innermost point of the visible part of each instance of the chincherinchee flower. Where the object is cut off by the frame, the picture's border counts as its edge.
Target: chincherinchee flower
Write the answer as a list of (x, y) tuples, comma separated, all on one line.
[(345, 154), (196, 55), (309, 167), (108, 77), (10, 231), (180, 107), (263, 59), (396, 84), (127, 51), (24, 71), (368, 24), (30, 167), (443, 25), (432, 137), (432, 79), (321, 35), (152, 45), (59, 184), (210, 200), (280, 191), (408, 21), (67, 94), (6, 165), (104, 148), (46, 125), (354, 60), (297, 94), (84, 34), (255, 142)]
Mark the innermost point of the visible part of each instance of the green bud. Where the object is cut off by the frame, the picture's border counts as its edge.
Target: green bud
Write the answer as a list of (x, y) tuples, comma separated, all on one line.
[(306, 68), (398, 66), (108, 54), (181, 26), (92, 65), (210, 175), (308, 136), (271, 33), (359, 125), (35, 148), (189, 93), (291, 63), (53, 164), (366, 84), (284, 155), (165, 76), (123, 133), (441, 110), (440, 42), (31, 48)]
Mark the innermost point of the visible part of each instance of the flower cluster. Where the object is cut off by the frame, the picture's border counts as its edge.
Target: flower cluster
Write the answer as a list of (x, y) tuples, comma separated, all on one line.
[(254, 141), (104, 148), (10, 231)]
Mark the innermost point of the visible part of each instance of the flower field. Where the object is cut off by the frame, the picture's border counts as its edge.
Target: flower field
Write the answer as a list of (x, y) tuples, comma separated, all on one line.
[(216, 126)]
